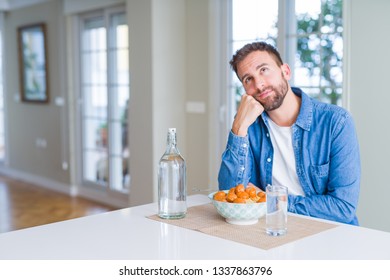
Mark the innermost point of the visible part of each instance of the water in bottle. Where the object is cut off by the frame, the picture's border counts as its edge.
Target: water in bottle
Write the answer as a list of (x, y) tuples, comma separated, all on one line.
[(172, 191)]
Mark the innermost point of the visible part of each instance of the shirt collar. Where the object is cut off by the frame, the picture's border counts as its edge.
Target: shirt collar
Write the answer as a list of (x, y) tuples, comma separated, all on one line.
[(305, 115)]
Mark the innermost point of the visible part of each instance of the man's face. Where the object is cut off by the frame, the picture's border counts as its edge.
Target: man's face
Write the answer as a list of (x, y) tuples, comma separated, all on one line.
[(263, 79)]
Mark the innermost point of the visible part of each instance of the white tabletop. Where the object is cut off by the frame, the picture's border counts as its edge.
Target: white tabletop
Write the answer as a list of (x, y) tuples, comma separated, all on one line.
[(127, 234)]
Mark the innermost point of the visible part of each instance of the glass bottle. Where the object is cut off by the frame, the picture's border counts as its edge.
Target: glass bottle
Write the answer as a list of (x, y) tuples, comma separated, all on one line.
[(172, 190)]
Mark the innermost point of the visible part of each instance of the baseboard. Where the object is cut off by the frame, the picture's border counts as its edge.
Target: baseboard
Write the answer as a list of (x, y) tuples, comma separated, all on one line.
[(114, 200), (39, 181)]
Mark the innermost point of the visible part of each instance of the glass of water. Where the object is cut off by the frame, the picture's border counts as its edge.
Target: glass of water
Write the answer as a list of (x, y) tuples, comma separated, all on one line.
[(276, 217)]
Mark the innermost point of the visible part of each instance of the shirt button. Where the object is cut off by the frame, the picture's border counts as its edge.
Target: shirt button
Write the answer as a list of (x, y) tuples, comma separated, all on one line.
[(244, 145), (267, 134), (242, 168), (268, 159)]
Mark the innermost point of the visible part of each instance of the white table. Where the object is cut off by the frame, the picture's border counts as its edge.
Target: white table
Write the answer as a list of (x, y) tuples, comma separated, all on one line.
[(127, 234)]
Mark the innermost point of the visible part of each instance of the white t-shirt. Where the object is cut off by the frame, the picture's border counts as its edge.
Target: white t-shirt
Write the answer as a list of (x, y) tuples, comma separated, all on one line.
[(284, 171)]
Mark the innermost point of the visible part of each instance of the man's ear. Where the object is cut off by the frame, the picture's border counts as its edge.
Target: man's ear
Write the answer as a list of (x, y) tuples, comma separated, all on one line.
[(286, 71)]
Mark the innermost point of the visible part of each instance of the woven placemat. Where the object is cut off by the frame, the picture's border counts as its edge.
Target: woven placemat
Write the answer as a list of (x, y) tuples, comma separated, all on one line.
[(205, 218)]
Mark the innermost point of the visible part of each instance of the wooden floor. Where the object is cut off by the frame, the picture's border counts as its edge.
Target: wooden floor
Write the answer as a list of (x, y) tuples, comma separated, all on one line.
[(25, 205)]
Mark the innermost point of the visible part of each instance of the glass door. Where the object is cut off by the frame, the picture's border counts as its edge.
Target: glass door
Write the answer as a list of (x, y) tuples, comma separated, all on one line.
[(104, 100)]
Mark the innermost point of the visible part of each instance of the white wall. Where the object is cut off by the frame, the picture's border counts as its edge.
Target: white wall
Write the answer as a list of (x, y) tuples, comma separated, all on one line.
[(369, 104), (28, 122), (158, 88), (197, 92), (141, 99), (169, 76)]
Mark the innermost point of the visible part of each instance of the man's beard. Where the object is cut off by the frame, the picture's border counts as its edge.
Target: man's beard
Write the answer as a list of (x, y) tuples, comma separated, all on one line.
[(276, 100)]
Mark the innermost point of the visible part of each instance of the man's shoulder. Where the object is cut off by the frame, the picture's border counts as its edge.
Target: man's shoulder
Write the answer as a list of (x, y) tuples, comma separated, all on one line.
[(321, 112), (330, 115), (320, 107)]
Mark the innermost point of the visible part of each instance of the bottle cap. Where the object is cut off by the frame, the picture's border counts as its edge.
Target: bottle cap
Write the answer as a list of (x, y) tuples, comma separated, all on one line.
[(172, 130)]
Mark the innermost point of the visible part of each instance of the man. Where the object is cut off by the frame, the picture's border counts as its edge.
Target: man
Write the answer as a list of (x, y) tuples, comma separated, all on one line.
[(281, 136)]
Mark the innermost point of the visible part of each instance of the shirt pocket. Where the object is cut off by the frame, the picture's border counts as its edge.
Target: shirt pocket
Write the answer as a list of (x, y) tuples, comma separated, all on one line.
[(320, 175)]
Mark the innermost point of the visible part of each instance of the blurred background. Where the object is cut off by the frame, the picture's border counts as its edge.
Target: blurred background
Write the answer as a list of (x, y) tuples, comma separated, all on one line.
[(89, 88)]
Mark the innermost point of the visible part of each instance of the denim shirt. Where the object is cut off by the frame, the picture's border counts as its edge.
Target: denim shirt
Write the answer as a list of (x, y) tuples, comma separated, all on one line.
[(326, 155)]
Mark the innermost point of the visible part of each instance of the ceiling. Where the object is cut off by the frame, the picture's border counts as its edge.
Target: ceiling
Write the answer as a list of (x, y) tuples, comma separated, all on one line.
[(6, 5)]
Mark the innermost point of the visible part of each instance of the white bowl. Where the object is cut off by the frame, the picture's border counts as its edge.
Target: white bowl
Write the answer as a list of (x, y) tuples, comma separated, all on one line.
[(239, 213)]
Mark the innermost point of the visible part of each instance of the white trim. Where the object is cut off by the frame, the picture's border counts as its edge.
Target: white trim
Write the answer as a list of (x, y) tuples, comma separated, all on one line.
[(281, 24), (74, 97), (287, 45), (62, 93), (346, 95), (228, 108), (218, 82), (214, 88), (39, 181), (113, 199), (71, 190), (5, 160)]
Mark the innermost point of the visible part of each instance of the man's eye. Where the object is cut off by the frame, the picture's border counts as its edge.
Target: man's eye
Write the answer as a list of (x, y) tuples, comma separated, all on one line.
[(247, 80), (264, 70)]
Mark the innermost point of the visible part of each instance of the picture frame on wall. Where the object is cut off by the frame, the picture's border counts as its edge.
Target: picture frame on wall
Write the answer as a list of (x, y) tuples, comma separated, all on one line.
[(34, 86)]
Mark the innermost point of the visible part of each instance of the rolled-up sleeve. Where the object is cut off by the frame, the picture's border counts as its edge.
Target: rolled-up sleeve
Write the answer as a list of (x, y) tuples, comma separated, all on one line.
[(235, 162)]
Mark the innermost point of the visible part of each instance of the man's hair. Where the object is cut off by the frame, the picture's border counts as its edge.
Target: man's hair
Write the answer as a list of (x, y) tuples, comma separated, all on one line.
[(242, 53)]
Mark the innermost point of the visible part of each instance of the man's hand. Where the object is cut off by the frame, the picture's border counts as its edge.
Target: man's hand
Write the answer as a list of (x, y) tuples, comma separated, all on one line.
[(247, 113)]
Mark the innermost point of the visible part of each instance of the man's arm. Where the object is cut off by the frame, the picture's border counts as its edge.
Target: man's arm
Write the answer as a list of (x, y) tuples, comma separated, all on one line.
[(236, 161), (340, 201)]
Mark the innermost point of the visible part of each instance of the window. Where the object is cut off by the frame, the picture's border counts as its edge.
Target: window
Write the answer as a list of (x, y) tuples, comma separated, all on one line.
[(318, 44), (252, 20), (105, 96), (308, 34)]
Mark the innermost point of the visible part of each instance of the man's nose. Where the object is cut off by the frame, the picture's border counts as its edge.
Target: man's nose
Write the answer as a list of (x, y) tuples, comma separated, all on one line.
[(260, 83)]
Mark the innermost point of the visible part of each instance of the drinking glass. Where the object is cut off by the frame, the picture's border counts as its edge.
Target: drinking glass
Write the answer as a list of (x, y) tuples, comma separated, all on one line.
[(276, 217)]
